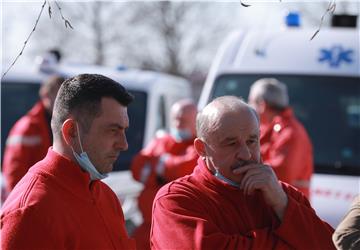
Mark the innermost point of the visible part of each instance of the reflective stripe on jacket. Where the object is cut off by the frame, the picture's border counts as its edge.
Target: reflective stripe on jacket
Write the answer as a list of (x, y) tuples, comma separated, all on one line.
[(27, 143)]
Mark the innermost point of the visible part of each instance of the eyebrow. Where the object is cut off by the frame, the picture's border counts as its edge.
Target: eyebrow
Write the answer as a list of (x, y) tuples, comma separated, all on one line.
[(254, 136), (230, 139), (116, 125)]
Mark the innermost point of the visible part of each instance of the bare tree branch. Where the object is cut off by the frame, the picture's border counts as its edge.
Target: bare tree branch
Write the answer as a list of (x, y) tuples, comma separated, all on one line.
[(330, 9), (67, 23), (28, 38)]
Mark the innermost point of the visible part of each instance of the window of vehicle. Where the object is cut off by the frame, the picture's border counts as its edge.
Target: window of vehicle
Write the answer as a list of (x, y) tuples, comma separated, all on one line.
[(135, 133), (17, 98), (329, 108), (161, 117)]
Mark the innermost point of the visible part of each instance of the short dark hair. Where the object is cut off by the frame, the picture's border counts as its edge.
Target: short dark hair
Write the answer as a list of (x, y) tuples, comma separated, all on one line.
[(81, 96)]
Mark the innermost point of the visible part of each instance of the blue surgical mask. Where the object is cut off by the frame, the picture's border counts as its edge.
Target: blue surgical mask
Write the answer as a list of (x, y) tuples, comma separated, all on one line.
[(180, 134), (223, 178), (85, 163)]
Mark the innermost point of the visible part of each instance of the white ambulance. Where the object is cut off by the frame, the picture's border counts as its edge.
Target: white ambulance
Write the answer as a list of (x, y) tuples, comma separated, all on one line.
[(323, 79), (154, 94)]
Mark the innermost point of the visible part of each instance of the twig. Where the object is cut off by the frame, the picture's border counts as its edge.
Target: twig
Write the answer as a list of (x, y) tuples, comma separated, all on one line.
[(49, 10), (330, 8), (67, 23), (26, 41), (243, 4)]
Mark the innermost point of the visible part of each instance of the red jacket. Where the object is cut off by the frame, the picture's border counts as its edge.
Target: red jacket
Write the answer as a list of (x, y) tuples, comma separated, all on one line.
[(180, 160), (56, 207), (199, 211), (286, 147), (27, 143)]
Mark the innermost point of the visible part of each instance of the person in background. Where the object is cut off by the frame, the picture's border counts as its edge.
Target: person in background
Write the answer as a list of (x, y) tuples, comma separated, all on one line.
[(61, 203), (347, 234), (166, 158), (232, 200), (30, 137), (285, 144), (49, 61)]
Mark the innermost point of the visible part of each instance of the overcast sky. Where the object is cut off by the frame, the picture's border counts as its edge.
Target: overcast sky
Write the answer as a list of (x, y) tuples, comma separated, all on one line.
[(18, 18)]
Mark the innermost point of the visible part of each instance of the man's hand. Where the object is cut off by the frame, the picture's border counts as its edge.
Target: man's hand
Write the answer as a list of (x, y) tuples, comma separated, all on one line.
[(262, 178)]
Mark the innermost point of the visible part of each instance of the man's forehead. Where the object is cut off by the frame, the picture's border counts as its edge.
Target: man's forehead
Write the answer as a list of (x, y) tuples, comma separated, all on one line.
[(114, 112), (231, 122)]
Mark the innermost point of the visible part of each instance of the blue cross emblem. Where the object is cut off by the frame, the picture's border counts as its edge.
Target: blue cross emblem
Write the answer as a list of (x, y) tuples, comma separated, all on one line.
[(336, 55)]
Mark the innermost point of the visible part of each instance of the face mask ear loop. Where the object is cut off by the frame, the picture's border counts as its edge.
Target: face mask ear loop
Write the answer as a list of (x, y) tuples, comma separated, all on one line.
[(77, 127)]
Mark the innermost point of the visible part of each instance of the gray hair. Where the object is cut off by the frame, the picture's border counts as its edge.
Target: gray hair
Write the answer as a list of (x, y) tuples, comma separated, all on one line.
[(272, 91)]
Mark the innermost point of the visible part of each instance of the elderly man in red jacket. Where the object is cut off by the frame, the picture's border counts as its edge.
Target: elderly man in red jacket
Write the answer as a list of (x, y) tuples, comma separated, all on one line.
[(61, 203), (285, 144), (31, 136), (232, 200), (166, 158)]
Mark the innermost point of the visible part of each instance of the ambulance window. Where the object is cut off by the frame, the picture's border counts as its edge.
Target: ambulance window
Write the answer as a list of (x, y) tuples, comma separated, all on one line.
[(352, 109), (17, 98), (329, 108), (161, 117), (135, 133)]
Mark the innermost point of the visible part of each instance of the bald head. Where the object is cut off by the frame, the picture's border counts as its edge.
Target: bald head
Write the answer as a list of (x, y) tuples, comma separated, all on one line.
[(221, 113), (185, 106), (183, 116)]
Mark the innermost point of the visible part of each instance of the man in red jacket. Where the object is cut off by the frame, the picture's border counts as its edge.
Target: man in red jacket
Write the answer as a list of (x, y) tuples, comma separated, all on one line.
[(285, 144), (61, 203), (232, 200), (166, 158), (30, 137)]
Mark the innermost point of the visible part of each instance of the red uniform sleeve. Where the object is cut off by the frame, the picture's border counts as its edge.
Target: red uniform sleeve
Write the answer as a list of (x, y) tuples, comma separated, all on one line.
[(144, 157), (180, 223), (281, 155), (301, 222), (15, 233), (25, 146), (177, 166)]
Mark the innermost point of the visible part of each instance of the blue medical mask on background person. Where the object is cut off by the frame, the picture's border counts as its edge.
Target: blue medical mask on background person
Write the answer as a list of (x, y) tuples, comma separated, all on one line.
[(85, 163), (180, 134)]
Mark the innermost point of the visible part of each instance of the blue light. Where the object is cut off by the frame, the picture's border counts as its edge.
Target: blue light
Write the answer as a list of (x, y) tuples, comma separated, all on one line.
[(121, 67), (293, 19)]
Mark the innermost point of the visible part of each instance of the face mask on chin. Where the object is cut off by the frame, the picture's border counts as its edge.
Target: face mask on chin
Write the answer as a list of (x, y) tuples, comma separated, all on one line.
[(223, 178), (180, 134), (85, 163), (217, 173)]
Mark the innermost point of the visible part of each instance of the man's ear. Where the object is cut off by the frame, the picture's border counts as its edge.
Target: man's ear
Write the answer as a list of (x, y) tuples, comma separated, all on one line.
[(262, 106), (199, 146), (69, 131)]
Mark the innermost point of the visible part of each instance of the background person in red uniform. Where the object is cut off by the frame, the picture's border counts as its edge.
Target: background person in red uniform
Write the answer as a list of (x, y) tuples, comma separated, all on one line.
[(61, 203), (166, 158), (232, 200), (30, 137), (285, 144)]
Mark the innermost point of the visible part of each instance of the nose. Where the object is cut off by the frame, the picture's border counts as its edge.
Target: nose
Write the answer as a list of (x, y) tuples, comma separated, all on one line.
[(243, 152), (121, 143), (177, 123)]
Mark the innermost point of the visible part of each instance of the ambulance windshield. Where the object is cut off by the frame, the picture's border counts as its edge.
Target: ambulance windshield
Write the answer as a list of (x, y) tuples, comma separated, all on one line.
[(329, 108)]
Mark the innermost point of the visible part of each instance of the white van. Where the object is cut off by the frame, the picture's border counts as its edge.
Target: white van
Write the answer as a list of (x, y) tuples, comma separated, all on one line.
[(154, 94), (323, 79)]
